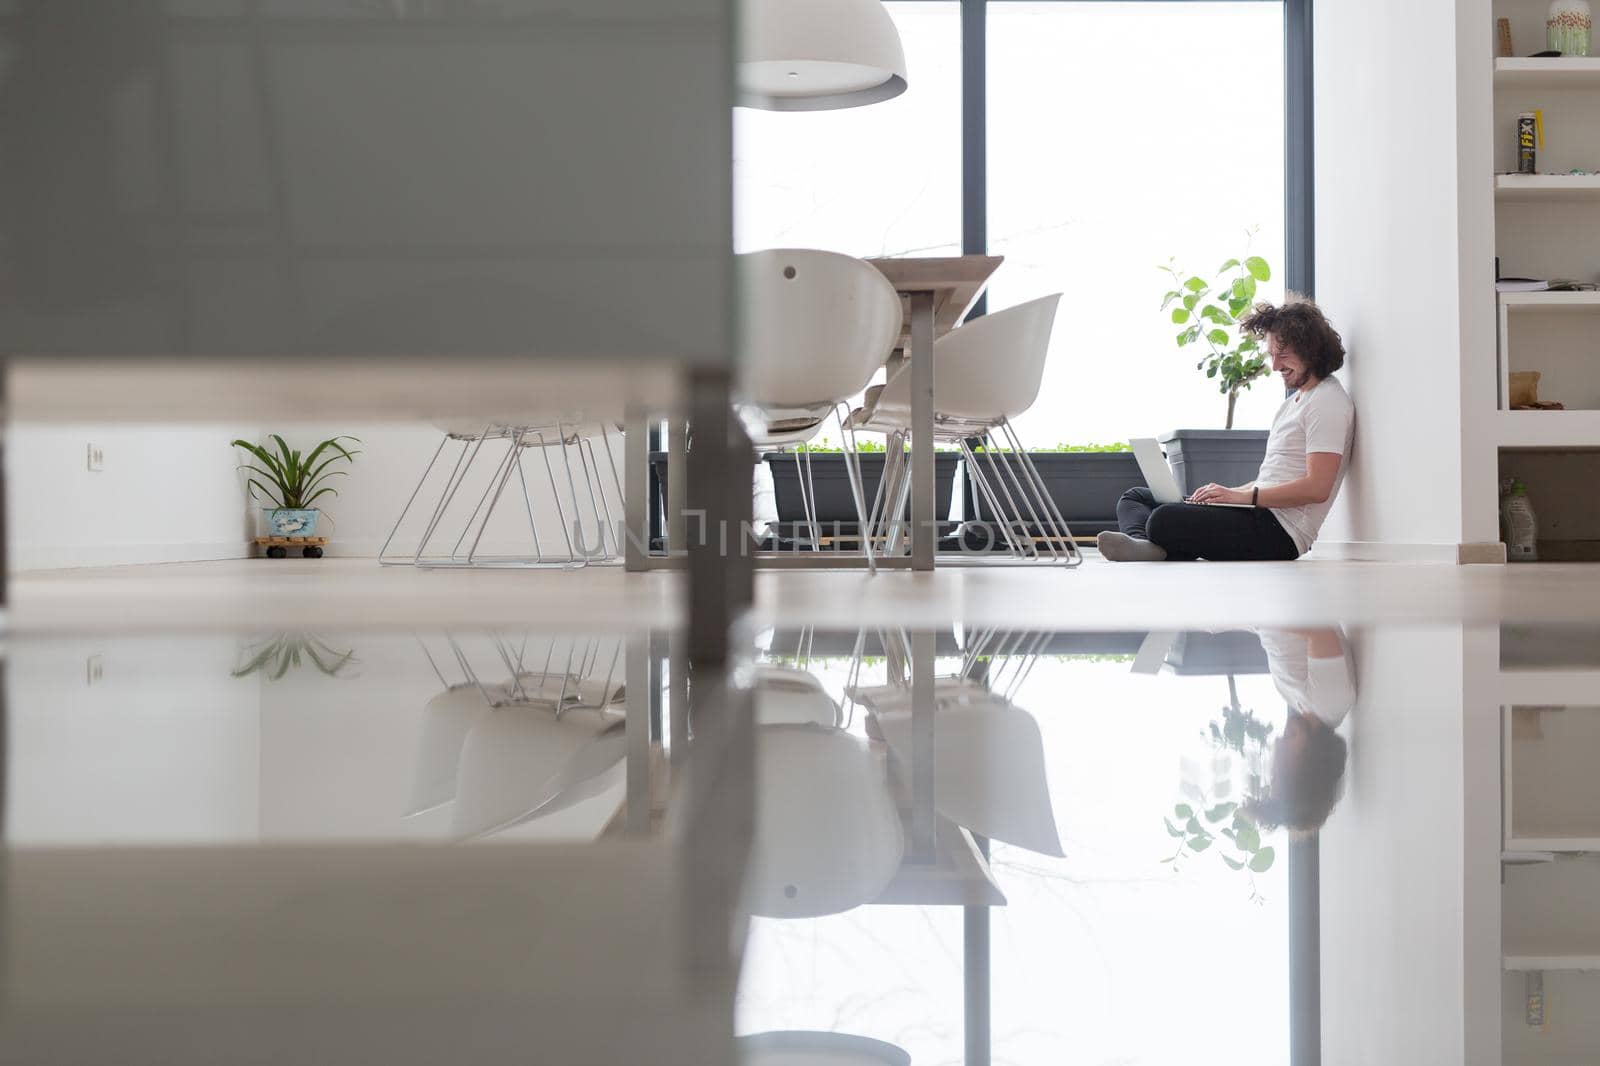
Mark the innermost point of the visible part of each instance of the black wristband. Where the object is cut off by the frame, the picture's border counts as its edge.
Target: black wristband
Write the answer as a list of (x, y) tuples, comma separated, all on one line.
[(1255, 494)]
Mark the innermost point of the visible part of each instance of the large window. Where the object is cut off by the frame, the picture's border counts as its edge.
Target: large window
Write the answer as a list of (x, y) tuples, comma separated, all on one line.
[(866, 181), (1122, 135)]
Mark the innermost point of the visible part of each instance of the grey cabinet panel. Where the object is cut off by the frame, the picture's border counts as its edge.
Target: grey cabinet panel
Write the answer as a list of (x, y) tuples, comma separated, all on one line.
[(517, 178)]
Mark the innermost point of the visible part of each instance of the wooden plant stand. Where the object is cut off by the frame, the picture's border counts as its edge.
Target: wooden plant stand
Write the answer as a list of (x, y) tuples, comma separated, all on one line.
[(278, 547)]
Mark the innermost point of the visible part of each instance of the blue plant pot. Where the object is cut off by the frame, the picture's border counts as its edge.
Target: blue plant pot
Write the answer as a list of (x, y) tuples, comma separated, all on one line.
[(292, 521)]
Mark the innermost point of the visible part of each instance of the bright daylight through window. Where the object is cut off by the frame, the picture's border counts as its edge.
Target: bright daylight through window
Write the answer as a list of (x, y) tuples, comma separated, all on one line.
[(1121, 135)]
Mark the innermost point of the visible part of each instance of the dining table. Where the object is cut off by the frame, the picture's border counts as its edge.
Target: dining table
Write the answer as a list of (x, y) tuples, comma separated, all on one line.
[(937, 293)]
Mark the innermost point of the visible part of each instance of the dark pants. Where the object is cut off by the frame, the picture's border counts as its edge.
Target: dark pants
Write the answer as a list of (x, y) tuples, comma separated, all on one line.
[(1194, 531)]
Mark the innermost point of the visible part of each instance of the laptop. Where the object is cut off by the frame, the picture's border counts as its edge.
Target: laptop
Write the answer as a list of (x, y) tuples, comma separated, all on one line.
[(1158, 473)]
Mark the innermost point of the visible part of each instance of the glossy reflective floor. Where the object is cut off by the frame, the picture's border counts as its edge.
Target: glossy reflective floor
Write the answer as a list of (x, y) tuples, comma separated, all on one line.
[(964, 844)]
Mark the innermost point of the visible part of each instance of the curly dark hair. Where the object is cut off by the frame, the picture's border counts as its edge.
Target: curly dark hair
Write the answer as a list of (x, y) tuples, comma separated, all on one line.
[(1299, 326), (1305, 782)]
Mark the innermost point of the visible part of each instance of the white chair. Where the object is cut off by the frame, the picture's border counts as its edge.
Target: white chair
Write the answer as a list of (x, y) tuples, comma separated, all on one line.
[(818, 326), (986, 373), (519, 434)]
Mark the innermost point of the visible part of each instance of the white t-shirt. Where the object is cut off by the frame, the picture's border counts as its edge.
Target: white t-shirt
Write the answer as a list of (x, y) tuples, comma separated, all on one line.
[(1322, 420), (1323, 687)]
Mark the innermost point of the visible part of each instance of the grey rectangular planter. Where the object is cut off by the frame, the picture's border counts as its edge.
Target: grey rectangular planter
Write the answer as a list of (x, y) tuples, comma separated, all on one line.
[(834, 502), (1224, 456), (1084, 485)]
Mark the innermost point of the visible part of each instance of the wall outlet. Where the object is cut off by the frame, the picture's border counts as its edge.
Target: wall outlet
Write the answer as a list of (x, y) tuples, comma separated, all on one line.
[(94, 670), (97, 458)]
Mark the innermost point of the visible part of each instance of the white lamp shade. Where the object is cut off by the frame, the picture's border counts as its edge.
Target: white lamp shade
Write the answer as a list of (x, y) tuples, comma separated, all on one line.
[(816, 55)]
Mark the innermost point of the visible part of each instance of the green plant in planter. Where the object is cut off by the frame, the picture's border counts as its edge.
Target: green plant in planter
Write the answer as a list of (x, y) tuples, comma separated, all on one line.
[(1115, 447), (290, 480), (1209, 313)]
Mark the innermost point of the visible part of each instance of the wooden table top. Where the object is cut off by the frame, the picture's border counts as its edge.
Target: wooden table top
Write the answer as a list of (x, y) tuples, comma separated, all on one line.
[(956, 282)]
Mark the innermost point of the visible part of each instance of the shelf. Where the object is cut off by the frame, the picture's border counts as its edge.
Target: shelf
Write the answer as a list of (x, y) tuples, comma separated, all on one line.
[(1550, 688), (1532, 845), (1562, 72), (1550, 301), (1558, 430), (1515, 187), (1519, 963)]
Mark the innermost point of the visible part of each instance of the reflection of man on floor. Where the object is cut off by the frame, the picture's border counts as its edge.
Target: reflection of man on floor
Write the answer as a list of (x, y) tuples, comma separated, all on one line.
[(1299, 478), (1312, 669)]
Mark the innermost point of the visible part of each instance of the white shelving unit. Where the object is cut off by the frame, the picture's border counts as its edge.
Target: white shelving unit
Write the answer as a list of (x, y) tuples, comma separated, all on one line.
[(1545, 225), (1564, 430), (1546, 187), (1565, 72)]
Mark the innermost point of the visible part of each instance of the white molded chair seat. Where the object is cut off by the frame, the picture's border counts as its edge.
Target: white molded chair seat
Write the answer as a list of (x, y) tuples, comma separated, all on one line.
[(818, 326), (985, 374)]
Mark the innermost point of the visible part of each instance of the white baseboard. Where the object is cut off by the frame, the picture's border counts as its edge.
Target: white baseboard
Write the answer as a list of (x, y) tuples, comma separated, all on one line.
[(72, 557), (1367, 551)]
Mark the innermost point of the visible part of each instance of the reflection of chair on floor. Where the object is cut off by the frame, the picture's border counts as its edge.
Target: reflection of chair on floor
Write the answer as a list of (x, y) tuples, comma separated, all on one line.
[(799, 1048), (989, 772), (505, 753), (827, 835), (557, 672), (519, 436)]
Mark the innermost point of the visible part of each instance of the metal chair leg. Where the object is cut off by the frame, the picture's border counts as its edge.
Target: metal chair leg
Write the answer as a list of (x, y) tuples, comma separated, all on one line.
[(986, 491), (852, 466), (1075, 557), (1008, 467), (413, 499), (448, 495), (1000, 488), (806, 503)]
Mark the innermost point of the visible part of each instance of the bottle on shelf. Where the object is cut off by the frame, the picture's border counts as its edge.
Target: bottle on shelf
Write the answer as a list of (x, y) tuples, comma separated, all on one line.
[(1518, 524)]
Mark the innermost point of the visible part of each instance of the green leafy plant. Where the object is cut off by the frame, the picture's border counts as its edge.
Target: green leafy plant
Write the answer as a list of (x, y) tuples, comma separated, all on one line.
[(1209, 311), (1196, 830), (1114, 447), (276, 656), (292, 480)]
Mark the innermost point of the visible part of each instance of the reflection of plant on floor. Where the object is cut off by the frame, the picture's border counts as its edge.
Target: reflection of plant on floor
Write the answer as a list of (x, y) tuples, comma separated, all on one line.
[(1198, 830), (1237, 727), (1242, 733), (276, 656)]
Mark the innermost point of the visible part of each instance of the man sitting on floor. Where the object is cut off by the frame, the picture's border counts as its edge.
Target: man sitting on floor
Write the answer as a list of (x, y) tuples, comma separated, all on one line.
[(1299, 478)]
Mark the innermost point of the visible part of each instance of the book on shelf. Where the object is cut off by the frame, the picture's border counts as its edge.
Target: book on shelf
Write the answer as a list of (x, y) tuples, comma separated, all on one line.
[(1542, 285)]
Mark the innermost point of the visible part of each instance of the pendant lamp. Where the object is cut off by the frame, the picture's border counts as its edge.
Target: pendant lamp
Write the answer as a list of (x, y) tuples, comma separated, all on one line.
[(818, 55)]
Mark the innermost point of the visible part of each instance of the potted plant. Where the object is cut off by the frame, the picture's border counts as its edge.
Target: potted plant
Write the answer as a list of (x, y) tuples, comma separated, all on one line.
[(1084, 481), (1208, 314), (294, 482)]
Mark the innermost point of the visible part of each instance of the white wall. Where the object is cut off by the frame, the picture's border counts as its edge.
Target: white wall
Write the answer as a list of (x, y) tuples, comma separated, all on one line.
[(393, 458), (1409, 861), (171, 493), (1405, 259), (166, 494), (161, 746)]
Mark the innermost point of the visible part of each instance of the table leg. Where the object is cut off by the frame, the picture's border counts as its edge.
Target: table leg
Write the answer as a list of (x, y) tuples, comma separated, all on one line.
[(924, 533), (677, 490), (924, 752), (640, 695), (636, 492)]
